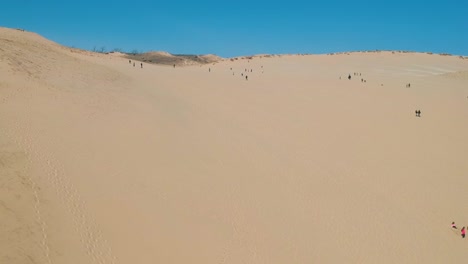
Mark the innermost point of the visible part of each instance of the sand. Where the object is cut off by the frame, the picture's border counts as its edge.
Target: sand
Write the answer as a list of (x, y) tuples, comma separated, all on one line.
[(103, 162)]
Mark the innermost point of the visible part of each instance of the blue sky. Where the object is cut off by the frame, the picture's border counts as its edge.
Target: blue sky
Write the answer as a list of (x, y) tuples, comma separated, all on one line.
[(233, 28)]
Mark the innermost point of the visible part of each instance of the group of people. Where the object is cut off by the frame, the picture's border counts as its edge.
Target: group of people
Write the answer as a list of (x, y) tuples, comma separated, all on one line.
[(408, 85), (245, 71), (355, 74), (243, 74), (130, 62), (463, 230)]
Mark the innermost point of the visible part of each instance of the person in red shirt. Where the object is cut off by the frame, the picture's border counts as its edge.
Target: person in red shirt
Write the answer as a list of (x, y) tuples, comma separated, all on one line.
[(454, 226), (463, 232)]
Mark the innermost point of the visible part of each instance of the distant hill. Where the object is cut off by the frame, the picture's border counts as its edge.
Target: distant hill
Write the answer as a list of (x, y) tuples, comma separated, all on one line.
[(171, 59)]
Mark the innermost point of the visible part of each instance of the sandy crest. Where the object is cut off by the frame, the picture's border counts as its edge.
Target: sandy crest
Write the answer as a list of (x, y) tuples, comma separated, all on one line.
[(118, 164)]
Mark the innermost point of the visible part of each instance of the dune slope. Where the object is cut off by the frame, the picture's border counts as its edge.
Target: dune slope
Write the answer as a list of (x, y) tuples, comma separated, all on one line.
[(103, 162)]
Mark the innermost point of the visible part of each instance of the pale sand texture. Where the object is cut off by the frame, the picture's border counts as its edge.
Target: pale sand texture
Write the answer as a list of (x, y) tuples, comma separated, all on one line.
[(101, 162)]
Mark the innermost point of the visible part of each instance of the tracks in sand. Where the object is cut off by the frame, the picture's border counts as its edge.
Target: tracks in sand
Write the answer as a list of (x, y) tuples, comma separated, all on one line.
[(53, 177)]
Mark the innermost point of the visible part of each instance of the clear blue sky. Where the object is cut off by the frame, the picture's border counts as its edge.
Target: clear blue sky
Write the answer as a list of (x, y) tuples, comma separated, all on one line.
[(232, 28)]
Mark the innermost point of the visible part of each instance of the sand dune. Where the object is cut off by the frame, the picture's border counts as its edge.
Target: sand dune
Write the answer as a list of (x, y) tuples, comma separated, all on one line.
[(165, 58), (103, 162)]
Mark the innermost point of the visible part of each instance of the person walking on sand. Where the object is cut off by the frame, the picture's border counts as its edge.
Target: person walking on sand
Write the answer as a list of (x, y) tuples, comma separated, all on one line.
[(129, 61), (454, 226), (133, 64), (463, 232), (142, 65), (349, 77)]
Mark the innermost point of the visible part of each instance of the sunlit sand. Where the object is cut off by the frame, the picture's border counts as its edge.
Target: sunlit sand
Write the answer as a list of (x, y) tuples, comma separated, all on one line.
[(103, 162)]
